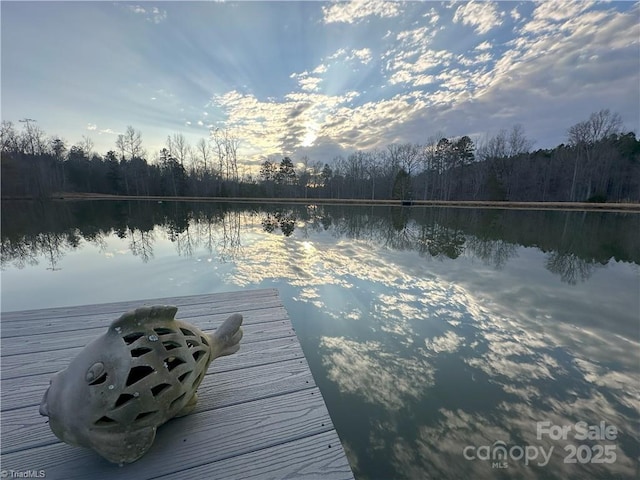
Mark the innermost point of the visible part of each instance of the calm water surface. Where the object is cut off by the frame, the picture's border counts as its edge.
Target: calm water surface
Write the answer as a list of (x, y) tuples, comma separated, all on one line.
[(439, 337)]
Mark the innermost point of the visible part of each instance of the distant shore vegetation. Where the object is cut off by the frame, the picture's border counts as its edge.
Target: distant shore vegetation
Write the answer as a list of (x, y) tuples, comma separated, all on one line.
[(598, 163)]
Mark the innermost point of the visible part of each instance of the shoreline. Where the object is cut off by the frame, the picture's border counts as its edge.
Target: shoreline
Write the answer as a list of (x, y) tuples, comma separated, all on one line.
[(583, 206)]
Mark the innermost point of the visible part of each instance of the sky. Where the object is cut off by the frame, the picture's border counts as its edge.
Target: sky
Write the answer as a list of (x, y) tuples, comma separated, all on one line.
[(317, 79)]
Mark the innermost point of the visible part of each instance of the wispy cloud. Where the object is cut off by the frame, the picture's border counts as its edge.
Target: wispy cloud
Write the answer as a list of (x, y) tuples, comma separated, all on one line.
[(92, 127), (151, 14), (410, 59), (307, 82), (356, 10), (363, 55), (483, 16)]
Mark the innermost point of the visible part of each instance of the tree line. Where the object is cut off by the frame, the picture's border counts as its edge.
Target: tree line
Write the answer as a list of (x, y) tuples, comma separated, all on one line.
[(597, 163)]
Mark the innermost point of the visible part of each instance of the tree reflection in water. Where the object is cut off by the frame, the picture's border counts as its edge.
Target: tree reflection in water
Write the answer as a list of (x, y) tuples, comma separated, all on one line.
[(575, 243)]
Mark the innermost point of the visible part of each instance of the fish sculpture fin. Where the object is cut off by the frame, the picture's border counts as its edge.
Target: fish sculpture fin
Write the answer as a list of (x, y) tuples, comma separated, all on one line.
[(144, 315), (124, 447), (226, 339)]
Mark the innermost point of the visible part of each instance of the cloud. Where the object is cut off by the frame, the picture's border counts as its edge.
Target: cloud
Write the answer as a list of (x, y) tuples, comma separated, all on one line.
[(547, 14), (413, 70), (433, 16), (481, 15), (320, 69), (448, 343), (363, 55), (94, 128), (137, 9), (356, 10), (411, 57), (151, 14), (307, 82)]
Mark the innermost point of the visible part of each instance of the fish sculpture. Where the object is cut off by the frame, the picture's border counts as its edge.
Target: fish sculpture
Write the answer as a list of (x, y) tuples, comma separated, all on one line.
[(123, 385)]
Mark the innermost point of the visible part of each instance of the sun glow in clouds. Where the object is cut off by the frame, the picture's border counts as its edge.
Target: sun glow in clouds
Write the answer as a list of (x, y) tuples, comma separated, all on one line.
[(310, 135)]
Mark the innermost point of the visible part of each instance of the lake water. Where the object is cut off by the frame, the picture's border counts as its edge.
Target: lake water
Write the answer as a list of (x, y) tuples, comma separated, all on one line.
[(437, 336)]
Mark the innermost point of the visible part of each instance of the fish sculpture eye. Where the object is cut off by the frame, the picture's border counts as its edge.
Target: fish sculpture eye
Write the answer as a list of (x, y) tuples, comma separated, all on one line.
[(96, 374)]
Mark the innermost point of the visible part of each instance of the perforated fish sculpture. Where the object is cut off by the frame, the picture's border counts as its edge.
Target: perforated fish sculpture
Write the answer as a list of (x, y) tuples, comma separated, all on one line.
[(123, 385)]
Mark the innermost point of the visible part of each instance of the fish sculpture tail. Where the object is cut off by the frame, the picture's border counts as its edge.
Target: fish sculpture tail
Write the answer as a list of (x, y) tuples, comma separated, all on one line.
[(226, 339)]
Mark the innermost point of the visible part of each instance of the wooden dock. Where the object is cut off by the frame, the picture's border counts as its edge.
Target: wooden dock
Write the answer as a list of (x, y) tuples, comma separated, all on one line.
[(259, 414)]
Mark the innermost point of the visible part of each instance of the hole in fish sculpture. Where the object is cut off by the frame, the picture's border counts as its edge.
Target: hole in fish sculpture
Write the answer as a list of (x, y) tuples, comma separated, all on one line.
[(138, 352), (189, 333), (204, 340), (143, 415), (173, 362), (198, 354), (192, 343), (170, 345), (104, 421), (163, 331), (122, 399), (101, 379), (183, 377), (158, 389), (177, 400), (132, 337), (138, 373)]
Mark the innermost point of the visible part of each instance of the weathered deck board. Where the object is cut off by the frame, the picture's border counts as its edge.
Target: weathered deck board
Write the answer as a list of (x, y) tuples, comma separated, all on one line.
[(230, 299), (259, 415), (208, 312), (310, 457), (256, 327)]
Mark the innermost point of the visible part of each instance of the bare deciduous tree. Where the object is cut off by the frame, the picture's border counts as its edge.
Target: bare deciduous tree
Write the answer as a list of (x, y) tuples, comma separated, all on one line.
[(585, 137), (226, 144)]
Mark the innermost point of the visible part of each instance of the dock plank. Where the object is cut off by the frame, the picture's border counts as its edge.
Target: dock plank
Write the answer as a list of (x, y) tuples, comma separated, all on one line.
[(254, 297), (255, 326), (260, 414), (306, 459), (196, 313), (188, 442)]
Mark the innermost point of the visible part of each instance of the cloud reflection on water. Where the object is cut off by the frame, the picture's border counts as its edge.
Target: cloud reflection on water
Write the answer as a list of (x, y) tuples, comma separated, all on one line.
[(527, 353), (377, 376), (547, 370)]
